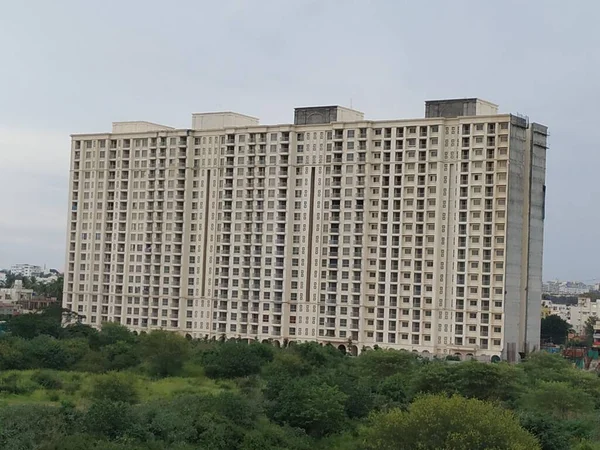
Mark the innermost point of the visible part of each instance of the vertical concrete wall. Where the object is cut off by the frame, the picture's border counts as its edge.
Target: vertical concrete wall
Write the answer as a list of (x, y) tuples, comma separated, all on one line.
[(349, 115), (486, 108), (460, 107), (513, 308), (537, 138), (219, 120)]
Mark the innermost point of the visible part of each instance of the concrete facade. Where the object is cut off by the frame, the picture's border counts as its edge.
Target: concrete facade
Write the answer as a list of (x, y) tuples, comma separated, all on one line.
[(26, 270), (577, 315), (421, 234), (15, 294)]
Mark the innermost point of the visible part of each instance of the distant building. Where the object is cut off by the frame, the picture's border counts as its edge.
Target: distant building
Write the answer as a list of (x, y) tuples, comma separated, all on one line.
[(17, 300), (577, 315), (580, 313), (27, 270), (596, 335), (8, 309), (46, 280), (569, 288), (35, 304), (16, 293), (555, 309)]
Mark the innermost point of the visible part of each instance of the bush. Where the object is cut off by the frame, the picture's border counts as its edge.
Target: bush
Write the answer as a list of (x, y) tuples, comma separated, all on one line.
[(121, 355), (558, 400), (93, 361), (556, 434), (110, 334), (73, 385), (309, 404), (270, 436), (381, 364), (47, 379), (317, 355), (24, 427), (436, 421), (12, 354), (165, 352), (16, 383), (51, 353), (235, 359), (114, 387), (111, 419)]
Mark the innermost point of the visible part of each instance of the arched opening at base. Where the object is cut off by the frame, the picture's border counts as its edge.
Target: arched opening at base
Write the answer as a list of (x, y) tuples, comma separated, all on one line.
[(342, 348), (277, 344), (188, 336), (265, 341), (496, 359), (354, 350)]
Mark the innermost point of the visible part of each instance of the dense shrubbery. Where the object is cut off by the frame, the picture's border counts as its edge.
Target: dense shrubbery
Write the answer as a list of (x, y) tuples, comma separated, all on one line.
[(77, 387)]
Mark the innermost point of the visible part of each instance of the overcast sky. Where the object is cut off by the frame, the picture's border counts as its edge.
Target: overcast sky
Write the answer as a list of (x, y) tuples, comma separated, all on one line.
[(76, 66)]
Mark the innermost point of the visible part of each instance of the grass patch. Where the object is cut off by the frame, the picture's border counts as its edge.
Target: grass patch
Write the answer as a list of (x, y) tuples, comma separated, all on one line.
[(170, 387), (76, 387)]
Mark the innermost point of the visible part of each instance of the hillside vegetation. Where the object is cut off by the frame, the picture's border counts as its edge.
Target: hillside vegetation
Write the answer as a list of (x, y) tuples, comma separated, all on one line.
[(78, 388)]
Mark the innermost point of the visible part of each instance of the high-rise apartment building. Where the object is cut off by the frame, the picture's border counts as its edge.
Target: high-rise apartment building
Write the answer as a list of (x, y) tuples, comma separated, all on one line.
[(420, 234)]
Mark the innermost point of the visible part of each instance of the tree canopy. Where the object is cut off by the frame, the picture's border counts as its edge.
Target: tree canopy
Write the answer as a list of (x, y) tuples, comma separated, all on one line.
[(453, 423), (554, 329), (109, 388)]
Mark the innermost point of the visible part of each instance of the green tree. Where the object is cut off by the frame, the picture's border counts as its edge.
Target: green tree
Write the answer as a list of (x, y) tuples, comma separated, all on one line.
[(79, 330), (29, 426), (13, 354), (555, 434), (359, 390), (438, 422), (111, 333), (384, 363), (543, 366), (433, 378), (29, 326), (558, 399), (165, 352), (392, 392), (307, 403), (554, 329), (120, 355), (207, 422), (116, 387), (317, 355), (236, 359), (50, 353), (487, 381), (268, 436), (109, 419), (590, 324), (9, 280)]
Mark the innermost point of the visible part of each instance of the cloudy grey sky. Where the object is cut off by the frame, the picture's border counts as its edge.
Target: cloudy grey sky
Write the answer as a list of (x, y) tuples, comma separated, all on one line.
[(76, 66)]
